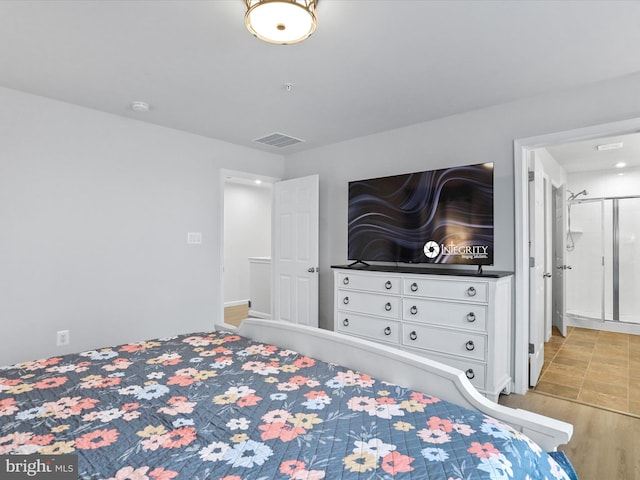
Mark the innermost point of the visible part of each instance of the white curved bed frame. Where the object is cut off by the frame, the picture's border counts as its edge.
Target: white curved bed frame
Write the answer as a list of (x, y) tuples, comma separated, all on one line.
[(401, 368)]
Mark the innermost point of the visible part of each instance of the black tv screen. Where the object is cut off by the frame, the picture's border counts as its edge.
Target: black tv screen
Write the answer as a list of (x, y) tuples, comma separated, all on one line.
[(439, 216)]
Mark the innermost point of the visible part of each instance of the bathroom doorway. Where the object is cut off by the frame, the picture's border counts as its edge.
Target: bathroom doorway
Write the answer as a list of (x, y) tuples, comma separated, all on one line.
[(596, 252), (523, 149)]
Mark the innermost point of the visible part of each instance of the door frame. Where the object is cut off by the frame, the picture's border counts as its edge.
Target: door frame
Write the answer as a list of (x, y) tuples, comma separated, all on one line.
[(559, 242), (521, 149)]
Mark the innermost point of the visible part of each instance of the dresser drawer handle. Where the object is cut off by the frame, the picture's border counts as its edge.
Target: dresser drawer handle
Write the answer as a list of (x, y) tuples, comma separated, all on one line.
[(387, 306), (413, 335), (345, 280), (387, 331), (388, 285), (471, 291), (345, 300), (414, 287), (470, 374), (471, 317), (345, 322), (413, 310), (470, 345)]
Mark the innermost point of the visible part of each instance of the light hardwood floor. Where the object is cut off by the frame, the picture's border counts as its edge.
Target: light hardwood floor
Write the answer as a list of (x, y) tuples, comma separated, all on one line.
[(605, 445), (234, 315)]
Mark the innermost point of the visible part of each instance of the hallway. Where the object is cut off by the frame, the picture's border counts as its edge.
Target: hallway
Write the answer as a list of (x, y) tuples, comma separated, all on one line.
[(594, 367)]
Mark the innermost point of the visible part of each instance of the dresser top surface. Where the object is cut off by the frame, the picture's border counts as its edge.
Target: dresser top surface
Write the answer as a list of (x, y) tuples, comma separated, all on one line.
[(422, 270)]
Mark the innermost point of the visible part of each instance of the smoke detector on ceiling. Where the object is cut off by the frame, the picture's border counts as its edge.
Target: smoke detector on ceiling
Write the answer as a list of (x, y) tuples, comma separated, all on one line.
[(140, 107)]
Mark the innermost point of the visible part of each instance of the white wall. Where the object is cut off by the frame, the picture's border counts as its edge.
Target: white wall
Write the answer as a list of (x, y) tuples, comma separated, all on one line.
[(606, 183), (247, 233), (557, 174), (94, 215), (485, 135)]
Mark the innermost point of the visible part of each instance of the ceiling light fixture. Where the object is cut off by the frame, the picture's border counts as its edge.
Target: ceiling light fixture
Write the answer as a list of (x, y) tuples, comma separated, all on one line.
[(621, 164), (282, 22)]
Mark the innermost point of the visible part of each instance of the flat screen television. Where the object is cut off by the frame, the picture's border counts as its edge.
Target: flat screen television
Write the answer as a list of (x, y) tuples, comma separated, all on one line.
[(440, 216)]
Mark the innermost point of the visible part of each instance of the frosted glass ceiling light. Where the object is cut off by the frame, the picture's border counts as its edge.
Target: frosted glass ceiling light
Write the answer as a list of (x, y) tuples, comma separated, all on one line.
[(281, 21)]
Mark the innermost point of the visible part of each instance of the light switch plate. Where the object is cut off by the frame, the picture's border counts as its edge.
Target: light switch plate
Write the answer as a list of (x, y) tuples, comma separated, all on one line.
[(194, 238)]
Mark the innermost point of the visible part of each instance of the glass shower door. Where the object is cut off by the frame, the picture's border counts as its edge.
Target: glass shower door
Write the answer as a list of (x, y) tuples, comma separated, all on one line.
[(629, 259), (585, 266)]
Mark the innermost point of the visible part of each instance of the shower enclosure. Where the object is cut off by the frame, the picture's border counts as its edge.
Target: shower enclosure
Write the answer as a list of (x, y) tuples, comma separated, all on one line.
[(603, 259)]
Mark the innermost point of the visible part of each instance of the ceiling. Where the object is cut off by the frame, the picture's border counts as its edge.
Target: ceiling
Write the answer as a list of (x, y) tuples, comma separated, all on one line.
[(371, 66), (584, 155)]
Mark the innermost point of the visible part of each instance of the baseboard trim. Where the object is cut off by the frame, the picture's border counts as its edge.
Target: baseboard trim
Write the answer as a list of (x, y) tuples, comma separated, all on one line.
[(236, 303)]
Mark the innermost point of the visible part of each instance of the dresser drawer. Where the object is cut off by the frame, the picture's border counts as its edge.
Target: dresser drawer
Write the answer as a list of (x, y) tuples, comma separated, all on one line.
[(449, 314), (443, 288), (369, 303), (372, 283), (379, 329), (476, 372), (464, 344)]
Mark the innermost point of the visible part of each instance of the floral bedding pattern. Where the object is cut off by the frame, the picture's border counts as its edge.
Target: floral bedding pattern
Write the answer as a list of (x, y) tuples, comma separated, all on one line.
[(222, 407)]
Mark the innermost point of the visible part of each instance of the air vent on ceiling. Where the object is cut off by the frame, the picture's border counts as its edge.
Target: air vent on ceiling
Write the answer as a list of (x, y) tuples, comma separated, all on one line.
[(278, 140)]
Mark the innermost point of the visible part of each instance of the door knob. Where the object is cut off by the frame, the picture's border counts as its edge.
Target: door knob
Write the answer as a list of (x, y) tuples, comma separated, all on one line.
[(547, 275)]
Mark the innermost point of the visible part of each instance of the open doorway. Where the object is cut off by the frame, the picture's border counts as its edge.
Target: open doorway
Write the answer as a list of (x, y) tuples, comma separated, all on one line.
[(287, 222), (247, 246), (522, 151), (592, 354)]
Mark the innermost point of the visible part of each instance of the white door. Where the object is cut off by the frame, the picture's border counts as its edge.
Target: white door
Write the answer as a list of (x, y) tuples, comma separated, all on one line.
[(559, 261), (295, 250), (536, 270)]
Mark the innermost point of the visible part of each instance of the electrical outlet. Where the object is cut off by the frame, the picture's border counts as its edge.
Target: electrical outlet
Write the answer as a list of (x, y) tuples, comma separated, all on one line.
[(62, 338)]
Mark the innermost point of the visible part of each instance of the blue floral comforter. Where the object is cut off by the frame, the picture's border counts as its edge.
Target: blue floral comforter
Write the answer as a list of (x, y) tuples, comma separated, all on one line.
[(219, 406)]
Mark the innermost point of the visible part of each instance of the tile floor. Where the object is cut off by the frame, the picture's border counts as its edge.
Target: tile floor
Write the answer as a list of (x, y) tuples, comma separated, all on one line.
[(594, 367)]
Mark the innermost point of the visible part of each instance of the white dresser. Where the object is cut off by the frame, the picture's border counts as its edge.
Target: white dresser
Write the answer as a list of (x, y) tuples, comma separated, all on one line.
[(460, 320)]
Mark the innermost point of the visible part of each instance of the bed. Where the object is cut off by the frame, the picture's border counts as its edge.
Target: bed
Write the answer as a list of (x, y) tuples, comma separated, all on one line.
[(269, 400)]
